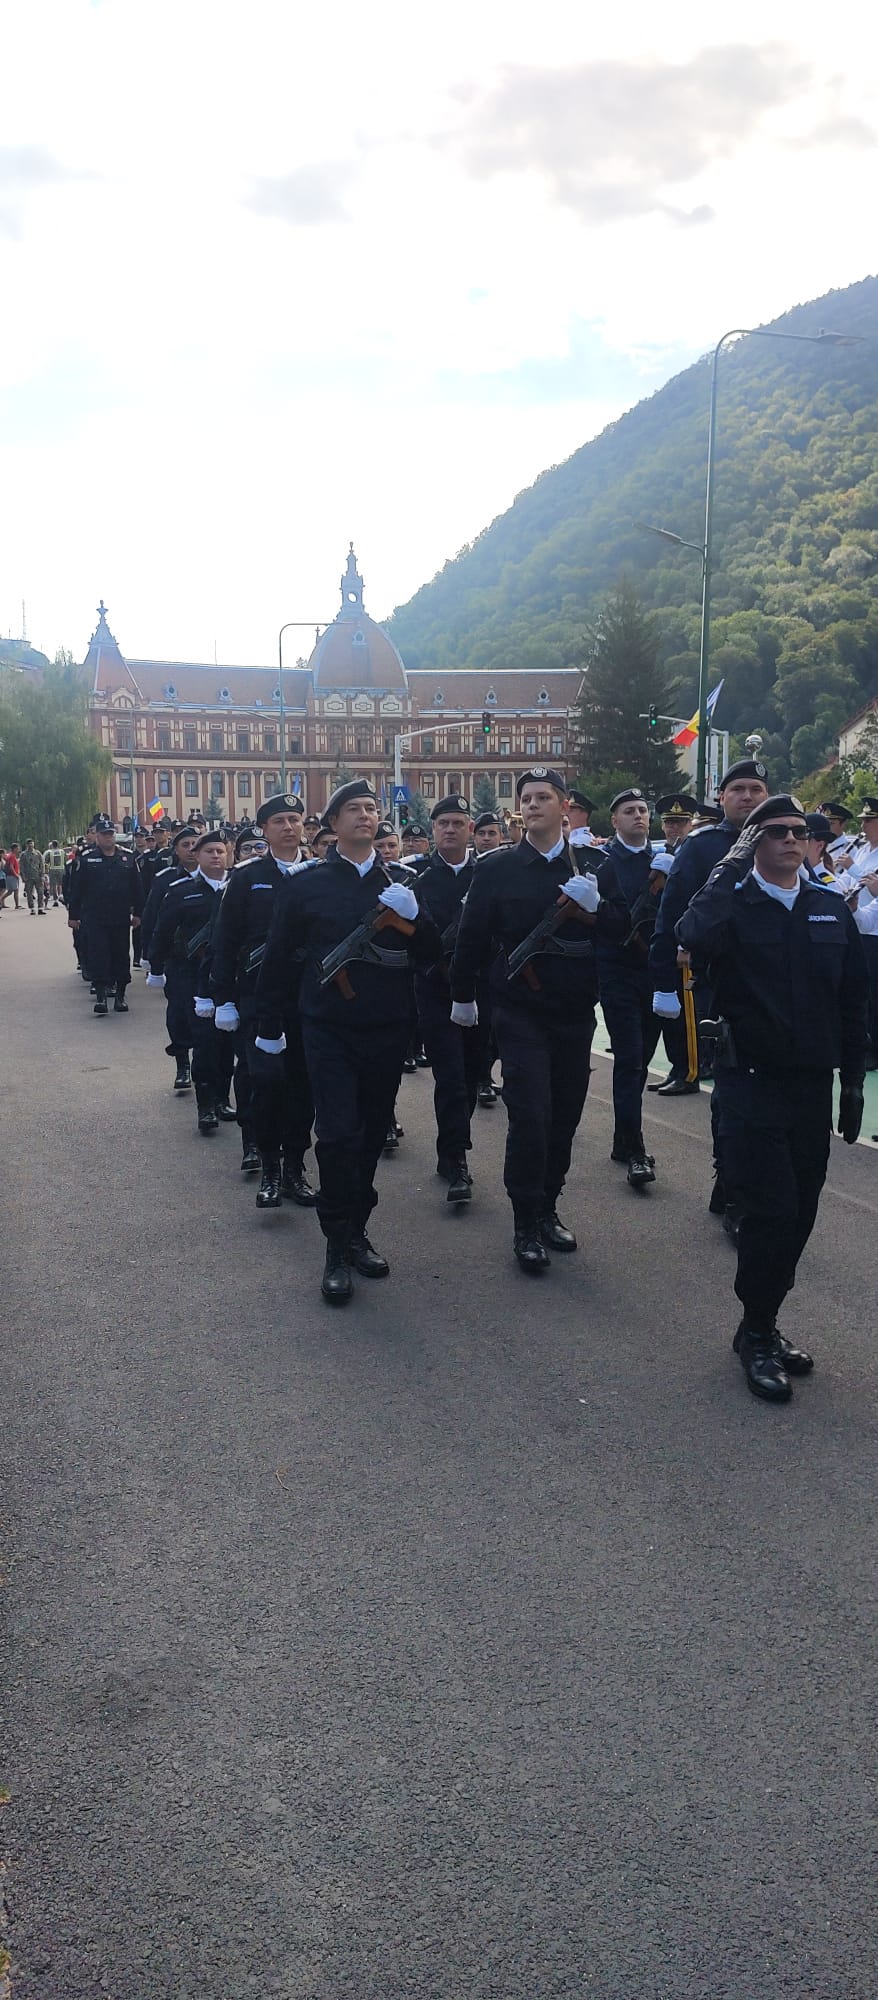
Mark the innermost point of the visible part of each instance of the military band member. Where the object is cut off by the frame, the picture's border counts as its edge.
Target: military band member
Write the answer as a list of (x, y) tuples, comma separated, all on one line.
[(106, 899), (579, 812), (544, 1013), (453, 1053), (860, 883), (788, 977), (280, 1108), (841, 839), (355, 1022), (179, 953)]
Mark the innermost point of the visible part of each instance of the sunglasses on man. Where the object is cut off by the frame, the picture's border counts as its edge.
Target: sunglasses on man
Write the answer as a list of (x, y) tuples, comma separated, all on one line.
[(778, 830)]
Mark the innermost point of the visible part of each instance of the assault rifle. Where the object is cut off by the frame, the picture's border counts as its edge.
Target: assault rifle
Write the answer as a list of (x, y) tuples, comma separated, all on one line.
[(359, 945), (541, 940), (645, 908), (200, 938)]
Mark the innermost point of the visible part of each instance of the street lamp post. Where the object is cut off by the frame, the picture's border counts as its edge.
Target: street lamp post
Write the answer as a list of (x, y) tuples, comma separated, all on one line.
[(290, 625)]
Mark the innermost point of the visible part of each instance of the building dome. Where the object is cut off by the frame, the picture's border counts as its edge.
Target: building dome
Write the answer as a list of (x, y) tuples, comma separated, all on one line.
[(354, 652)]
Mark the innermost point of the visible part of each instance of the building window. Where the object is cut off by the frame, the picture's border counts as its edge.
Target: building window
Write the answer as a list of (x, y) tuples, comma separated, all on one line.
[(190, 742), (243, 784), (453, 741), (217, 739), (557, 746), (334, 737), (454, 782), (428, 746), (217, 784), (164, 784), (269, 783), (479, 747), (125, 784), (163, 740), (269, 743), (530, 746), (123, 736), (295, 746), (504, 785), (242, 740), (428, 785), (504, 746), (191, 786)]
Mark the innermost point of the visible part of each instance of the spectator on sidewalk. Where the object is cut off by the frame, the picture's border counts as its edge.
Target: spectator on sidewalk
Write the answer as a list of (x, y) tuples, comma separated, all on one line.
[(13, 873), (32, 877), (53, 862)]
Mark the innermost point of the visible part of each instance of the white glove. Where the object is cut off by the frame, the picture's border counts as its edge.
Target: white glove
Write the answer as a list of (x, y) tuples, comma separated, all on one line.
[(465, 1014), (227, 1017), (667, 1005), (203, 1009), (582, 889), (401, 900), (155, 979), (662, 863), (271, 1048), (145, 967), (580, 836)]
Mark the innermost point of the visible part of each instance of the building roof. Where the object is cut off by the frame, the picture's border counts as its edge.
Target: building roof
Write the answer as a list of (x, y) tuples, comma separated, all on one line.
[(516, 690), (105, 664), (197, 684), (354, 652)]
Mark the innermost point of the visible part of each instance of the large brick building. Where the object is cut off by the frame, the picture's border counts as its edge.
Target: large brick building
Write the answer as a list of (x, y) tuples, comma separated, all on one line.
[(191, 733)]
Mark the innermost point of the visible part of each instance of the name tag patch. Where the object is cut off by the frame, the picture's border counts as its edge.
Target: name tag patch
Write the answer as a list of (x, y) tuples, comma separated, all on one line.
[(814, 919)]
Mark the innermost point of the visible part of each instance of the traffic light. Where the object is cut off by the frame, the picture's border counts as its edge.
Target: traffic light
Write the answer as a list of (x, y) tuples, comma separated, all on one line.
[(486, 723), (653, 717)]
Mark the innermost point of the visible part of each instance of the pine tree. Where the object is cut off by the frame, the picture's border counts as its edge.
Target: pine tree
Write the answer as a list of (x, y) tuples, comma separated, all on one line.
[(484, 794), (623, 682)]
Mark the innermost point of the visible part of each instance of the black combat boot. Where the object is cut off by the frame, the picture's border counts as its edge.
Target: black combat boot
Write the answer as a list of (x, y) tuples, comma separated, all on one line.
[(336, 1283), (528, 1245), (459, 1178), (269, 1194), (487, 1094), (641, 1165), (183, 1078), (251, 1160), (365, 1258), (100, 1006), (120, 1004), (224, 1112), (554, 1233), (295, 1187), (208, 1121), (763, 1364)]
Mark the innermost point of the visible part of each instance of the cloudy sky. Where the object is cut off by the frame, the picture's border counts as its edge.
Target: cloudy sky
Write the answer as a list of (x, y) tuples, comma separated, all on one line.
[(275, 276)]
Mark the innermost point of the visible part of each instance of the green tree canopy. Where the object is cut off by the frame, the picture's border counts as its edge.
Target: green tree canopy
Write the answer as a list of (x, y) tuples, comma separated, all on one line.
[(51, 767), (484, 799), (623, 682)]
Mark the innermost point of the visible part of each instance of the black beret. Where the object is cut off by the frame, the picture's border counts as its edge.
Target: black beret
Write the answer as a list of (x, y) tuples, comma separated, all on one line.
[(868, 808), (248, 833), (102, 823), (818, 826), (203, 839), (746, 767), (485, 819), (833, 806), (581, 800), (538, 774), (676, 805), (184, 833), (283, 802), (356, 788), (455, 803), (632, 796), (413, 832), (384, 829), (781, 805)]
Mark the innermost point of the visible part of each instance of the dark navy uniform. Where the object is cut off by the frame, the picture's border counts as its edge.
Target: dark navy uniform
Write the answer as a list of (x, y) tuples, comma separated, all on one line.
[(791, 983), (626, 986), (354, 1048), (279, 1113), (189, 906), (104, 893), (693, 864), (544, 1036), (454, 1054)]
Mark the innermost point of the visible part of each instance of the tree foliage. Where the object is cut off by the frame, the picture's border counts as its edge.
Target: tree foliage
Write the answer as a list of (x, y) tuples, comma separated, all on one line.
[(484, 799), (623, 682), (795, 583), (51, 767)]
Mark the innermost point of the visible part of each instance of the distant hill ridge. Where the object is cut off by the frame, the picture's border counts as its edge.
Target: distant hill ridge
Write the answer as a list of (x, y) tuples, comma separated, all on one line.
[(795, 589)]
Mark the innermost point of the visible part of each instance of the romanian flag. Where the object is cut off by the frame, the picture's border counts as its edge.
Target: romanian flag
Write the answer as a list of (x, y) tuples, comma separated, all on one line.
[(155, 808), (689, 731)]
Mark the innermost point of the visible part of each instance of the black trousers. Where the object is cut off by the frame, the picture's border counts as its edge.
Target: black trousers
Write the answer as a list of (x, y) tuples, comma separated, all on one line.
[(108, 959), (546, 1069), (355, 1074), (774, 1130), (281, 1101), (626, 1000), (455, 1056), (870, 948), (181, 986)]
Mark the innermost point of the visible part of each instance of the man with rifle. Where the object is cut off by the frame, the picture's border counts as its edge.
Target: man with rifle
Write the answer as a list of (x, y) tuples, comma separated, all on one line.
[(454, 1055), (534, 918), (280, 1110), (630, 869), (343, 941), (179, 952)]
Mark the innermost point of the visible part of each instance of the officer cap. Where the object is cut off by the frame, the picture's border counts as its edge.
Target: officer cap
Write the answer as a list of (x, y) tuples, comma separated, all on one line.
[(818, 826), (384, 829), (833, 806), (782, 805), (102, 823), (455, 803), (746, 767), (676, 805), (356, 788), (707, 810), (869, 808), (540, 774), (283, 802), (485, 819), (580, 799), (203, 838), (413, 832), (629, 797)]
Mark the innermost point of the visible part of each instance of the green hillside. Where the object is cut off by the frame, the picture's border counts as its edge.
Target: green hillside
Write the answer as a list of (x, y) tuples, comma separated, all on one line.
[(795, 587)]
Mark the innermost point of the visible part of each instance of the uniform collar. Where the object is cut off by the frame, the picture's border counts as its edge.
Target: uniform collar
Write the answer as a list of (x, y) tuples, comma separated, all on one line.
[(533, 853)]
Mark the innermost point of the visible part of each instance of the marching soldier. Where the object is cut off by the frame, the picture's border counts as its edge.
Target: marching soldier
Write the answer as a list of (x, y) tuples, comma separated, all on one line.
[(487, 837), (343, 942), (453, 1054), (280, 1111), (788, 977), (182, 862), (487, 833), (106, 898), (677, 811), (534, 918), (579, 812), (629, 869), (179, 951)]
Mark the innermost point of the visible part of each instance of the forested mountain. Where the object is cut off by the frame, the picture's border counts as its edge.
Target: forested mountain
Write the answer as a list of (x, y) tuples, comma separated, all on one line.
[(795, 584)]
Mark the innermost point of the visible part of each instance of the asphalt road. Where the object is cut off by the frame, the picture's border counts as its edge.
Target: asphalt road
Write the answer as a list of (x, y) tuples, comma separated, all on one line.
[(484, 1639)]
